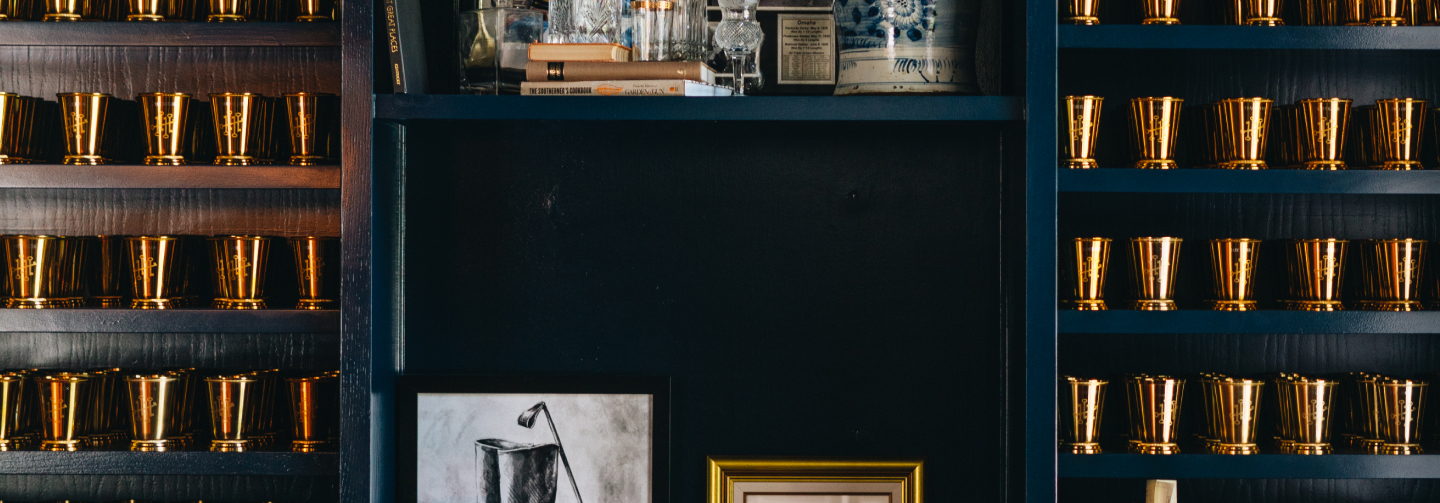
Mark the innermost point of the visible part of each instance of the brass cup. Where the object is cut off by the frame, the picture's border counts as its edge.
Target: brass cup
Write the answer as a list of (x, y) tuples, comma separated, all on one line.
[(1320, 12), (1233, 262), (1082, 403), (1081, 12), (1231, 12), (1082, 119), (14, 412), (14, 10), (1307, 406), (1316, 271), (1391, 12), (1153, 261), (314, 407), (319, 10), (1244, 128), (1402, 404), (1233, 406), (1398, 129), (309, 121), (63, 410), (84, 116), (155, 269), (1368, 408), (1154, 413), (1154, 125), (228, 11), (145, 10), (1263, 12), (187, 387), (1321, 132), (68, 10), (153, 406), (1161, 11), (317, 261), (1353, 12), (103, 408), (107, 276), (240, 263), (40, 269), (237, 127), (166, 117), (232, 400), (16, 114), (1085, 261), (1392, 270)]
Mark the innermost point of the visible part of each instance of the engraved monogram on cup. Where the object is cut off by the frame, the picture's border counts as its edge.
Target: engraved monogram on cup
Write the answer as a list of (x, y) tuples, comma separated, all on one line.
[(146, 266), (164, 123), (310, 269), (232, 124), (25, 267), (78, 122), (304, 126)]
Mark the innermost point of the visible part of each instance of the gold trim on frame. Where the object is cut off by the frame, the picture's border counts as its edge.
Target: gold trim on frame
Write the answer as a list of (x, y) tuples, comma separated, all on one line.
[(725, 471)]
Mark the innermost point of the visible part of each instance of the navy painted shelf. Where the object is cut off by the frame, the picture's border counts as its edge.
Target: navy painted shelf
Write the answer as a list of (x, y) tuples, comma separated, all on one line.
[(1255, 322), (56, 176), (1277, 181), (180, 34), (168, 463), (756, 108), (170, 321), (1249, 37), (1263, 466)]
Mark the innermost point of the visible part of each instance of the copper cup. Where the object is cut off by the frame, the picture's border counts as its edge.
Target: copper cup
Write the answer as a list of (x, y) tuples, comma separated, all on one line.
[(1233, 262), (1154, 413), (1307, 407), (1320, 12), (84, 116), (314, 408), (154, 404), (317, 267), (1263, 12), (240, 263), (1232, 408), (1082, 403), (1161, 11), (1369, 413), (1392, 12), (1154, 125), (232, 400), (1244, 129), (1153, 261), (228, 11), (1316, 271), (63, 410), (1402, 403), (1321, 132), (40, 269), (1398, 129), (237, 128), (166, 117), (1392, 270), (155, 271), (309, 121)]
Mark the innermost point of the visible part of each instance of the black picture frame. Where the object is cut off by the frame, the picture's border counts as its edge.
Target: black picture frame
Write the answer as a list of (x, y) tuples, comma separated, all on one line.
[(409, 387)]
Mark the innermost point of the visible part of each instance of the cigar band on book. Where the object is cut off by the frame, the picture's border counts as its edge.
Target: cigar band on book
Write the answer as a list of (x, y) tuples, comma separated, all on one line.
[(555, 71)]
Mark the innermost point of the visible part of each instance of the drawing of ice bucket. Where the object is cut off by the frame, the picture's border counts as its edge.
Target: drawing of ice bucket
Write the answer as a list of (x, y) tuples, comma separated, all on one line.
[(512, 472)]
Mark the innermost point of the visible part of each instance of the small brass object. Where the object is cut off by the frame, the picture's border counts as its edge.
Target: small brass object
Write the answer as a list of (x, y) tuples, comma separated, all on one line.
[(1154, 125), (17, 114), (1392, 12), (167, 120), (1232, 410), (154, 405), (1306, 408), (1083, 122), (108, 273), (309, 121), (320, 10), (63, 410), (1321, 132), (155, 271), (232, 414), (41, 271), (1233, 262), (1398, 128), (84, 116), (1086, 261), (237, 127), (69, 10), (1154, 413), (1082, 403), (1081, 12), (1161, 11), (228, 11), (317, 261), (1321, 12), (1316, 271), (240, 263), (1263, 12), (314, 408), (1153, 261), (1402, 407), (1392, 270), (14, 412), (1244, 128)]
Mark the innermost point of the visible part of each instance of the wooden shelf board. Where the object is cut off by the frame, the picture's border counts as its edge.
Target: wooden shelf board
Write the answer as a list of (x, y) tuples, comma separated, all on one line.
[(1248, 37), (198, 176), (177, 34), (1254, 322), (170, 321), (757, 108), (1263, 466), (168, 463), (1277, 181)]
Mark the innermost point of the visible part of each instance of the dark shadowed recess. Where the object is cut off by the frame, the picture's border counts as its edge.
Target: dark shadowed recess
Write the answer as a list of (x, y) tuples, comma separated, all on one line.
[(807, 301), (1256, 490), (277, 489)]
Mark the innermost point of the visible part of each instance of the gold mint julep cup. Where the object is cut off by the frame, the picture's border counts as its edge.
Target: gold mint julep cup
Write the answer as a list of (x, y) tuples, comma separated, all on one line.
[(1081, 12), (1321, 132), (1161, 11), (1244, 129), (1154, 413), (167, 118), (309, 121), (154, 405), (84, 117), (1398, 130), (1154, 126), (155, 271), (13, 411), (1153, 262), (232, 399), (237, 128), (1233, 262), (314, 407), (1402, 405), (1307, 406), (1082, 119), (1316, 271), (1234, 406), (16, 113), (317, 261), (1263, 12), (240, 264), (1392, 270), (1082, 403), (64, 409), (1086, 261)]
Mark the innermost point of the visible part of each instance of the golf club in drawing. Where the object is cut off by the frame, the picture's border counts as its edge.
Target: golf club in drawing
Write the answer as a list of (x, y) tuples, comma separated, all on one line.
[(527, 420)]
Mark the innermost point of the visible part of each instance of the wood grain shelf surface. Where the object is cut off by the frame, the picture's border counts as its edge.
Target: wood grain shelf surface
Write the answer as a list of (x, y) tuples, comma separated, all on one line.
[(1222, 181), (198, 176), (179, 34), (168, 463), (1254, 322), (752, 108), (1262, 466), (169, 321), (1249, 37)]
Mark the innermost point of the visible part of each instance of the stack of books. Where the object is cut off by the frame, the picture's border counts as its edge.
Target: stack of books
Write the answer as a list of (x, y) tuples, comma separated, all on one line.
[(606, 70)]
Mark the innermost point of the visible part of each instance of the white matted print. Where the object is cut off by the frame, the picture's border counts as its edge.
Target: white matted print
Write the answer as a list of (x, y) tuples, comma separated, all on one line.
[(820, 492), (476, 447)]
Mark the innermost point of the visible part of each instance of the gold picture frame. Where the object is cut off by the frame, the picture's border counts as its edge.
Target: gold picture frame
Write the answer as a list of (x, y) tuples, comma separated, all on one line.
[(724, 472)]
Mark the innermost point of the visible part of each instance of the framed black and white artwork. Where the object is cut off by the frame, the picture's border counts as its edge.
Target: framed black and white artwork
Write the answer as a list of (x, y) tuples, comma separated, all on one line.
[(483, 439)]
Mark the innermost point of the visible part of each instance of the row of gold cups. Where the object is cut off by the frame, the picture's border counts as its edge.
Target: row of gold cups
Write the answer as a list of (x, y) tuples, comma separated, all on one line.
[(1380, 415), (243, 124), (46, 272), (75, 411), (1312, 133), (170, 10), (1269, 12), (1392, 271)]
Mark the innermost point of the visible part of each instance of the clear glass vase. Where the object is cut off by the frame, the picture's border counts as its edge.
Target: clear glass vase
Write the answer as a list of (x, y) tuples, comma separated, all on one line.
[(584, 22), (494, 36)]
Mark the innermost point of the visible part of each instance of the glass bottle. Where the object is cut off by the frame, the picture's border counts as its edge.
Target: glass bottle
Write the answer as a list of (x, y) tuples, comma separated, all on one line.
[(494, 36)]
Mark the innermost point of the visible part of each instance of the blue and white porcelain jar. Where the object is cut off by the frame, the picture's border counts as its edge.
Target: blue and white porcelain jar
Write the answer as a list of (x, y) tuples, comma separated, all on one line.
[(907, 46)]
